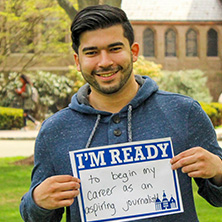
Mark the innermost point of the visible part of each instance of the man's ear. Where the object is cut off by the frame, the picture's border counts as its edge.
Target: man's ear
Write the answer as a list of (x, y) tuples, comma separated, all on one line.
[(76, 58), (135, 51)]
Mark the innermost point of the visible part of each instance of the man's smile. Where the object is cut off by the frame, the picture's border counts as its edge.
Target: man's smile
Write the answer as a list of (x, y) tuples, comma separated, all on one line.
[(107, 73)]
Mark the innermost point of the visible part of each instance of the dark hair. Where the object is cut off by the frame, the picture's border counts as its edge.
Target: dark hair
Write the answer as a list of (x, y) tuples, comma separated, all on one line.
[(99, 17), (26, 79)]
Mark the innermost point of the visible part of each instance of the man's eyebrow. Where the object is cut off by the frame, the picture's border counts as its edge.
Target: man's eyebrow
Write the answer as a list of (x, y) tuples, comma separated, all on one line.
[(115, 44), (89, 48)]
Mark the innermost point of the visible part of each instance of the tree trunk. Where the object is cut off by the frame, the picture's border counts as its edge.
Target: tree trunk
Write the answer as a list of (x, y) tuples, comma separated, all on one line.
[(85, 3), (71, 11), (68, 7), (116, 3)]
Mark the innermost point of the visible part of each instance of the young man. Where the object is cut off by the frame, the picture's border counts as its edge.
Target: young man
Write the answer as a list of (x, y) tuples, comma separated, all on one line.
[(116, 107)]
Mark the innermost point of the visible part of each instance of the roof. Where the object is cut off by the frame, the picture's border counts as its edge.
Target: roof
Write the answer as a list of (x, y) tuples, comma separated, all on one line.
[(173, 10)]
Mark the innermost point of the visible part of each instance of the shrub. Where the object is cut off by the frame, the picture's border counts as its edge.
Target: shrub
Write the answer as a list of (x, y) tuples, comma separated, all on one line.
[(8, 84), (10, 118), (76, 77), (55, 91), (214, 111), (188, 82), (218, 107), (147, 68)]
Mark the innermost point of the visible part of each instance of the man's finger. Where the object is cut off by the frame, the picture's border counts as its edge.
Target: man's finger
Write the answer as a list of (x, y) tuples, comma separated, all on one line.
[(64, 178), (184, 154)]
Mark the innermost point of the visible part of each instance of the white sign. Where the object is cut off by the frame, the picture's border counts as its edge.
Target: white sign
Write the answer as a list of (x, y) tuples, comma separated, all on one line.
[(127, 181)]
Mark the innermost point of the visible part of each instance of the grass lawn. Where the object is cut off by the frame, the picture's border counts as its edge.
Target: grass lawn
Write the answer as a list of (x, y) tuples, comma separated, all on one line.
[(15, 181), (205, 211)]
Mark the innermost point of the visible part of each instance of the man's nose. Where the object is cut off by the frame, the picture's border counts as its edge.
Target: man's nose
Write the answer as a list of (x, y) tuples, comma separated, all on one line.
[(105, 59)]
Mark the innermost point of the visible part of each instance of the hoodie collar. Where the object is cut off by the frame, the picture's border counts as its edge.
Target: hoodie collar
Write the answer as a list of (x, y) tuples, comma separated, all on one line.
[(80, 103)]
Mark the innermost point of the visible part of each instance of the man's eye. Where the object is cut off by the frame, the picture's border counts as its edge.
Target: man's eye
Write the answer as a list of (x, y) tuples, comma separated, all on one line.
[(115, 49), (91, 53)]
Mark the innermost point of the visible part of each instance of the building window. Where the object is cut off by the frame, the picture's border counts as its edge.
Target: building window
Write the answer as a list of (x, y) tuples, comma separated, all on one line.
[(148, 43), (170, 43), (191, 43), (212, 43)]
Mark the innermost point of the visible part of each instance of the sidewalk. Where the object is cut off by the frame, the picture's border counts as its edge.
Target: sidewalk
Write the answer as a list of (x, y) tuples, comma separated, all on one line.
[(18, 134), (17, 143), (21, 143)]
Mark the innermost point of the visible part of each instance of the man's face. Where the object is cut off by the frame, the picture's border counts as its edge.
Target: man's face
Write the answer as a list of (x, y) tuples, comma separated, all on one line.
[(106, 59)]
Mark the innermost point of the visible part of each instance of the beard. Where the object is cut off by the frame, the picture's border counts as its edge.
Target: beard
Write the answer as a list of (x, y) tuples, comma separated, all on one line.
[(125, 75)]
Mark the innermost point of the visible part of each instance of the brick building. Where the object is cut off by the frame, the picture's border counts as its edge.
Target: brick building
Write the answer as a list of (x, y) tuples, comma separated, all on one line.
[(185, 34)]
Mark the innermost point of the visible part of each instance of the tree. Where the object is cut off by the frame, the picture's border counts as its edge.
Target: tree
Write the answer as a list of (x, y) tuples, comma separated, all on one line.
[(30, 28), (72, 10)]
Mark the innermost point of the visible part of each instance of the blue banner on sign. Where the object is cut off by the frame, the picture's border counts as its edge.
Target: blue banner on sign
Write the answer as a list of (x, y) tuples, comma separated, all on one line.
[(118, 155)]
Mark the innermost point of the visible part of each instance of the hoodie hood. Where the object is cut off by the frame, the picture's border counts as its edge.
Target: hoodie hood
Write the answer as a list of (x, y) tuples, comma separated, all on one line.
[(81, 104)]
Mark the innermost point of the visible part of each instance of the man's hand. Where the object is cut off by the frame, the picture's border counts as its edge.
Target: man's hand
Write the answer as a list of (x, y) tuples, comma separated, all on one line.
[(56, 192), (198, 162)]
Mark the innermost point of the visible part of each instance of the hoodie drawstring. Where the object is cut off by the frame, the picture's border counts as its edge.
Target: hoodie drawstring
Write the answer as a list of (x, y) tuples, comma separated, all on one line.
[(93, 131), (129, 127), (129, 123)]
